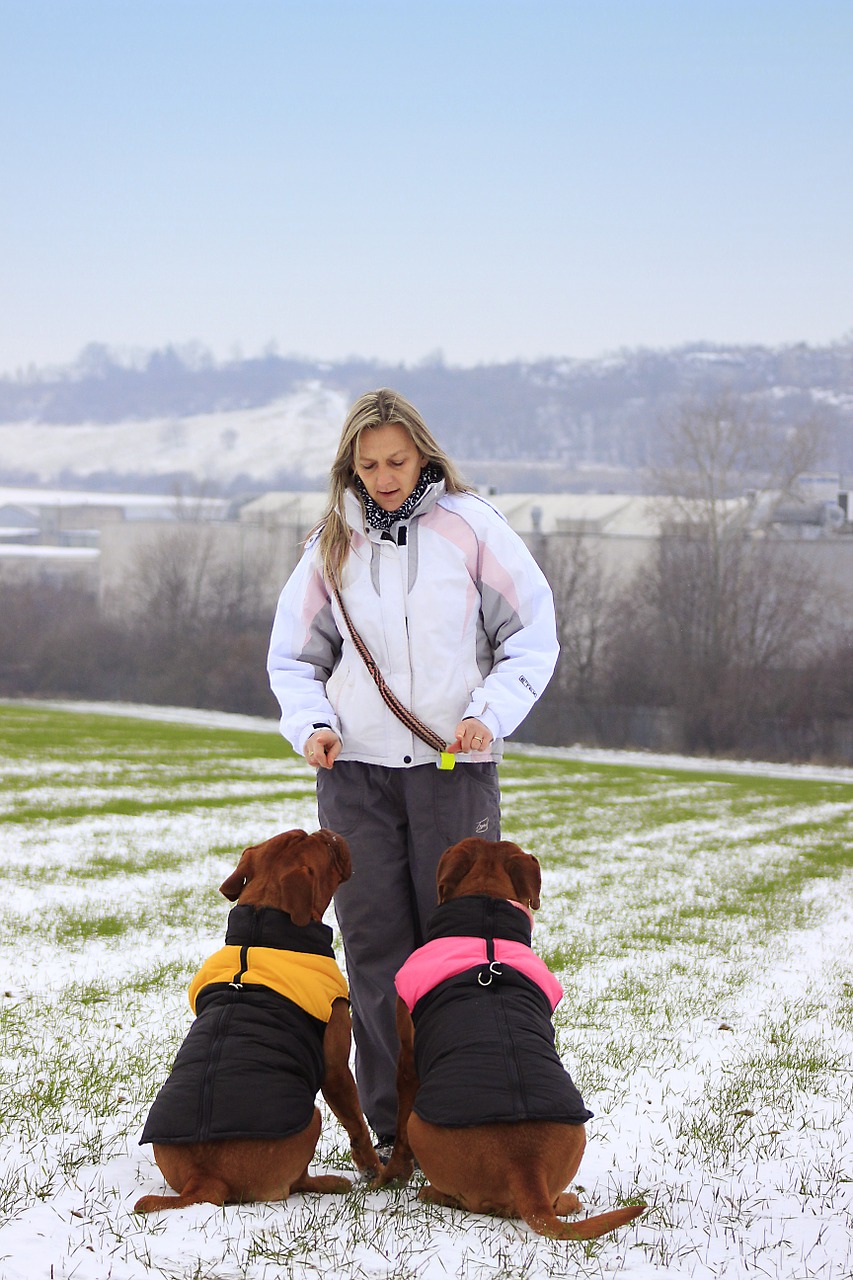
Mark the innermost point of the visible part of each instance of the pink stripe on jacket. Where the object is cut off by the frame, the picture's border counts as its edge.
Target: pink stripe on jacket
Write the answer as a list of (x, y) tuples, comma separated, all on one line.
[(446, 957)]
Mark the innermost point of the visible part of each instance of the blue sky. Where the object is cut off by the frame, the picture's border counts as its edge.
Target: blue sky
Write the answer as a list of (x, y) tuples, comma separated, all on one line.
[(491, 179)]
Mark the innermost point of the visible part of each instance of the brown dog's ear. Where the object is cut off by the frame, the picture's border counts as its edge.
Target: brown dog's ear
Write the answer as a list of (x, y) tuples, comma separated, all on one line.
[(454, 866), (245, 869), (297, 895), (524, 872), (340, 852), (239, 877)]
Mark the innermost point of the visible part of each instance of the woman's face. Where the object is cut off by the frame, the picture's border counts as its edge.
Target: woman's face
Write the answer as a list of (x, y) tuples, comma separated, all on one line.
[(388, 464)]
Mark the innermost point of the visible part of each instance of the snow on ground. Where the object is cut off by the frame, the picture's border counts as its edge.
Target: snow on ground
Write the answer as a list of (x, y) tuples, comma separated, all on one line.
[(297, 433), (777, 1206)]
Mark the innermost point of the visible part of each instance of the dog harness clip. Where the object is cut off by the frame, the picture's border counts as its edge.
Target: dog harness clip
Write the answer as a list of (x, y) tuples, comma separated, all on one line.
[(494, 971)]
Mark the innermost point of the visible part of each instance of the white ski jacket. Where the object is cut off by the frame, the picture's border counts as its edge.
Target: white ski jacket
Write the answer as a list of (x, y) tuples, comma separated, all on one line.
[(454, 610)]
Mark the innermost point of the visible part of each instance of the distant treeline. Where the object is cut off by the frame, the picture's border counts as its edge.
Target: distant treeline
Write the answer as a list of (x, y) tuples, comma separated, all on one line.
[(736, 658), (604, 412)]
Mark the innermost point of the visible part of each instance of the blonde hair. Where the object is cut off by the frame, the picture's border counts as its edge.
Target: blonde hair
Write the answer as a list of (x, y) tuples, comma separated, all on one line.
[(373, 409)]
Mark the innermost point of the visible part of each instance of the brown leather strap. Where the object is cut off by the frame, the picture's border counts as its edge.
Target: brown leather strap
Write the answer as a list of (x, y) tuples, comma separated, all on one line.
[(402, 712)]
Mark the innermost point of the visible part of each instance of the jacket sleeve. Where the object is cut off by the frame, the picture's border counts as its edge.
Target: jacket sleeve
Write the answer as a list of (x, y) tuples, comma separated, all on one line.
[(517, 610), (304, 648)]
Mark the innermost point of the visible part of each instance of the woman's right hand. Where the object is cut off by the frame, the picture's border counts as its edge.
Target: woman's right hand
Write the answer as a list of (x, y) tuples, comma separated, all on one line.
[(322, 748)]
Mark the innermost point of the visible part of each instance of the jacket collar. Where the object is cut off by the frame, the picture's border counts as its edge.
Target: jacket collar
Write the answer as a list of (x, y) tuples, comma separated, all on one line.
[(250, 926), (480, 916), (354, 511)]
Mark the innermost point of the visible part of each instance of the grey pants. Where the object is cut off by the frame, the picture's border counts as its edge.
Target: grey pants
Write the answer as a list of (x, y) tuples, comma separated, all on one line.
[(398, 823)]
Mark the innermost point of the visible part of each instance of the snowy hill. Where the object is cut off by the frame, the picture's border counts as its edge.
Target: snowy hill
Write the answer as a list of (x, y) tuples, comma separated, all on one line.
[(294, 436), (174, 418)]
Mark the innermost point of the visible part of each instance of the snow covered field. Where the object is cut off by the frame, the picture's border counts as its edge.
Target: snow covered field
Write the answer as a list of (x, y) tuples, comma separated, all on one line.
[(700, 918)]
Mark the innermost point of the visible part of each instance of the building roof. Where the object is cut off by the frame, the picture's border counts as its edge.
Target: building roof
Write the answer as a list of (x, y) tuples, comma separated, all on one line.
[(23, 551), (134, 506), (615, 515)]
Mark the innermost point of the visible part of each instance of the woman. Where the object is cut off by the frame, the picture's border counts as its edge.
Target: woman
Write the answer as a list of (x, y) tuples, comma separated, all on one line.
[(412, 570)]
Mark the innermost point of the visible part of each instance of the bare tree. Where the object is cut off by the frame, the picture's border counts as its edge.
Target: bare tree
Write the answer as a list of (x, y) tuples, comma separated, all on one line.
[(168, 585), (53, 641), (714, 450), (731, 605), (197, 601), (582, 599), (197, 574)]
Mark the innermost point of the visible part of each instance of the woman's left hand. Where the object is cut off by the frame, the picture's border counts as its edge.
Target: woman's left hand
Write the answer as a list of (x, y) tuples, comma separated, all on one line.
[(473, 736)]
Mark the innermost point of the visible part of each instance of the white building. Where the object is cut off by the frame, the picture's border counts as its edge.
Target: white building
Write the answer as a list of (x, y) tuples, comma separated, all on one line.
[(94, 539)]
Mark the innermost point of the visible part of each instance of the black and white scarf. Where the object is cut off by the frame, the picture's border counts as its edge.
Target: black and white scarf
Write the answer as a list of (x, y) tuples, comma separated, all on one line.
[(377, 518)]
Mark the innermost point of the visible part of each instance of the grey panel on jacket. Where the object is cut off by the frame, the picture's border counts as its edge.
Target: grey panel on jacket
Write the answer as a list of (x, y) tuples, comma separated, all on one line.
[(324, 644), (501, 623), (413, 538)]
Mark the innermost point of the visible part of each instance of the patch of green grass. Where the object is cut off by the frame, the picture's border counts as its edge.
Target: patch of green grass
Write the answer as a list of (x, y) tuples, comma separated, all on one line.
[(568, 955), (75, 926), (101, 764), (48, 734), (79, 996), (181, 909), (161, 976), (13, 1025), (844, 1005), (107, 866)]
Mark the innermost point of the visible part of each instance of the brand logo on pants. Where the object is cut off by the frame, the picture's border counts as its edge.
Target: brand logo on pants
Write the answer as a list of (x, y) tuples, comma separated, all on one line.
[(482, 826)]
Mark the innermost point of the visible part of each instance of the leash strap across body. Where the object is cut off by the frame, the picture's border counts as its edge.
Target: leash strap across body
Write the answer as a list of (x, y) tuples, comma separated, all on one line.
[(416, 726)]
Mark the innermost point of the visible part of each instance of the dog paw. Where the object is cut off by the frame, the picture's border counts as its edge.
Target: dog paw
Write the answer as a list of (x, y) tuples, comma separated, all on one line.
[(396, 1172), (366, 1161)]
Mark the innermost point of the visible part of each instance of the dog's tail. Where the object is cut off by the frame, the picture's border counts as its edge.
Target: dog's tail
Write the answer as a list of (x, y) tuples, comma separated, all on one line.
[(153, 1204), (599, 1225), (196, 1191), (543, 1219)]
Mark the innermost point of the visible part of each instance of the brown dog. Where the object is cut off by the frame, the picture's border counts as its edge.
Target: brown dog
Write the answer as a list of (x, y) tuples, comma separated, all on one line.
[(485, 1105), (236, 1119)]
